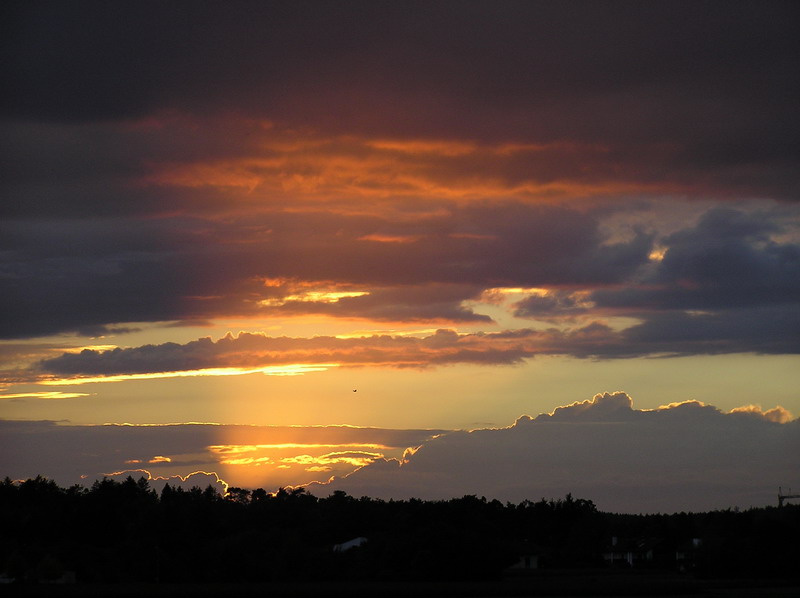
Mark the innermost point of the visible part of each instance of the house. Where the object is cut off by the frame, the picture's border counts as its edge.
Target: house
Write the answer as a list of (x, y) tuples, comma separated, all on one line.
[(632, 552), (686, 554), (529, 560), (68, 577), (355, 542)]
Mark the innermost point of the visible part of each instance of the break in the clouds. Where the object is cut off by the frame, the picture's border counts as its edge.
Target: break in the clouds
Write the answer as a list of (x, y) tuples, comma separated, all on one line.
[(684, 456), (193, 454), (68, 276)]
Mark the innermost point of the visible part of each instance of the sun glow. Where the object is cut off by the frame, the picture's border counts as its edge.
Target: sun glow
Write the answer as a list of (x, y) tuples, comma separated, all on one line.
[(378, 238), (424, 146), (211, 475), (246, 448), (312, 297), (89, 348), (355, 459), (295, 369), (324, 168), (497, 295), (657, 254), (45, 395)]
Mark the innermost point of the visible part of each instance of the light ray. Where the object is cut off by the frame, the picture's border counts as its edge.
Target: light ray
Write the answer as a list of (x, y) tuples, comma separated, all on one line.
[(296, 369)]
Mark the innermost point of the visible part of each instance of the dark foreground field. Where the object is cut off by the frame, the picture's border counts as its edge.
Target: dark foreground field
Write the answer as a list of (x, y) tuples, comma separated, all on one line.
[(563, 585), (124, 539)]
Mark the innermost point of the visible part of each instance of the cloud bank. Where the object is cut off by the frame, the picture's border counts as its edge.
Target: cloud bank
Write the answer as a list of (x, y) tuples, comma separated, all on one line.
[(247, 456), (680, 334), (685, 456)]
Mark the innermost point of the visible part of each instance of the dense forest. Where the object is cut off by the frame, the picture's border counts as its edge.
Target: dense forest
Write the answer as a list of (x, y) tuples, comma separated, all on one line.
[(127, 532)]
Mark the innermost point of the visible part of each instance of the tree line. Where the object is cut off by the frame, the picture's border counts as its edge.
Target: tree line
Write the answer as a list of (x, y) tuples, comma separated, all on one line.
[(125, 531)]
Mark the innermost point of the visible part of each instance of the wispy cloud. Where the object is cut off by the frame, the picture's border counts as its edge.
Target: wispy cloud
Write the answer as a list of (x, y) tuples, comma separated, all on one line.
[(53, 394)]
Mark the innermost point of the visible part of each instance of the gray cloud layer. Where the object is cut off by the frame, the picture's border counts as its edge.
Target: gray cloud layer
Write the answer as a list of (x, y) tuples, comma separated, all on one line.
[(727, 284), (591, 71), (73, 454), (685, 457), (728, 260), (65, 276)]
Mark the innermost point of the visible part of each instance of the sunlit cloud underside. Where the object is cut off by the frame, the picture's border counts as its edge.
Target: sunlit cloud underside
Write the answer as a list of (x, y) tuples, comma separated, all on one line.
[(277, 370)]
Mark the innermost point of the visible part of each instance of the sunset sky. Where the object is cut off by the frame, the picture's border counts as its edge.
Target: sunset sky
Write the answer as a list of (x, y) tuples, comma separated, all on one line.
[(512, 249)]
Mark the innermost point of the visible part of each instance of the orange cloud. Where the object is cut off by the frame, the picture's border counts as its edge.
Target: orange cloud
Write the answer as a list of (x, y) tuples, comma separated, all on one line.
[(319, 168), (246, 448), (281, 370), (355, 459), (249, 353), (256, 353), (379, 238), (44, 395)]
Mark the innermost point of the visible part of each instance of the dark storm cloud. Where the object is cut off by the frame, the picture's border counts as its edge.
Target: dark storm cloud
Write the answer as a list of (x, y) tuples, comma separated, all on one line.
[(68, 275), (765, 330), (731, 259), (706, 89), (90, 169), (151, 154), (724, 285), (728, 260), (114, 60), (552, 305), (725, 278)]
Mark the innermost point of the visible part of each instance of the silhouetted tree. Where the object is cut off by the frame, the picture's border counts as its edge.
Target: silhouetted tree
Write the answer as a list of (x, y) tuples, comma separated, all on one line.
[(124, 531)]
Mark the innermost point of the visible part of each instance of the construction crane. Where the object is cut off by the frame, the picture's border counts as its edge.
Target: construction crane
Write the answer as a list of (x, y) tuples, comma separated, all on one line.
[(782, 496)]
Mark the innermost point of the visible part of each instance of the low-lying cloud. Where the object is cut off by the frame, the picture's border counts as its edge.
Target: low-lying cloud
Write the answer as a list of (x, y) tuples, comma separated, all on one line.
[(188, 454), (684, 456)]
